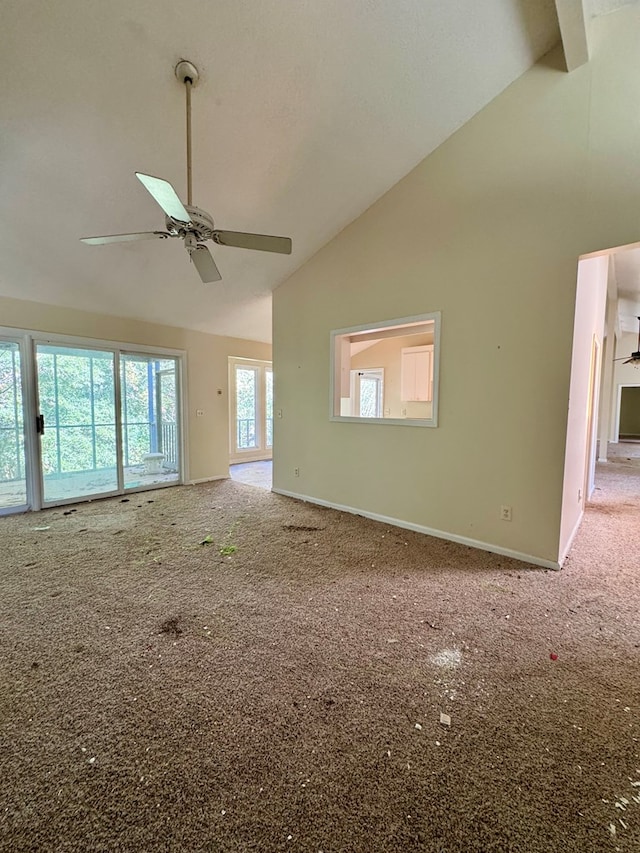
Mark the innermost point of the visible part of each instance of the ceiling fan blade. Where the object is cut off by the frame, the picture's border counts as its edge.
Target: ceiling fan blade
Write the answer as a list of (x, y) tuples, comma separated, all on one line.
[(635, 359), (206, 266), (260, 242), (165, 195), (125, 238)]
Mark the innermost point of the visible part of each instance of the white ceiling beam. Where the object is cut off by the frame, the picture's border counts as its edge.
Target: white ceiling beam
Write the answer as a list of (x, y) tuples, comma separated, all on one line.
[(573, 29)]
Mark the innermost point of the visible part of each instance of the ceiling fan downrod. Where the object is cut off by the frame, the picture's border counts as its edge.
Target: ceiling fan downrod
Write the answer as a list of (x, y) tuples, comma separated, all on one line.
[(193, 225), (187, 73)]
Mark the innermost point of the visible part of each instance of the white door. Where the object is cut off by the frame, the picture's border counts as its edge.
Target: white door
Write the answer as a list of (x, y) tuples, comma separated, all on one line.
[(251, 410)]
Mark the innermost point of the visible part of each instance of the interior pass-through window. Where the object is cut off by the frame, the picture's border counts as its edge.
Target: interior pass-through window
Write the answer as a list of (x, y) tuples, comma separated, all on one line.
[(387, 372)]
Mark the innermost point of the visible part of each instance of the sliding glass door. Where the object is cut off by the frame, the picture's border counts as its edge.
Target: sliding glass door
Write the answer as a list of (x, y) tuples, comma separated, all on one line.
[(79, 421), (13, 456), (76, 422), (149, 411)]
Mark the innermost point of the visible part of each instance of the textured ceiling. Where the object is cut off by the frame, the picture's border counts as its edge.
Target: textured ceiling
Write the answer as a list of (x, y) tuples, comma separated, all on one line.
[(307, 112)]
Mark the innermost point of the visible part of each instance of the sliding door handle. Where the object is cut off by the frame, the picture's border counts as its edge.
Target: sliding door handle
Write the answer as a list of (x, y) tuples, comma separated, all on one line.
[(40, 424)]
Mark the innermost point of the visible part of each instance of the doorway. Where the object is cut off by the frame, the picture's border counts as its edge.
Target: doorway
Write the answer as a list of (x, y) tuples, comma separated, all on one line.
[(251, 410), (628, 413), (605, 328)]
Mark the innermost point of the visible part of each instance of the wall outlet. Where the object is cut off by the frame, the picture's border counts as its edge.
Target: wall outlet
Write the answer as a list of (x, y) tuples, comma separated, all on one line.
[(199, 413), (505, 513), (296, 472), (279, 413), (579, 495)]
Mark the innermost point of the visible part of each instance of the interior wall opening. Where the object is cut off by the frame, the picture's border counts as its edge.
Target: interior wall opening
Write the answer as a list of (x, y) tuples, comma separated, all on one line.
[(605, 359), (250, 410), (387, 372)]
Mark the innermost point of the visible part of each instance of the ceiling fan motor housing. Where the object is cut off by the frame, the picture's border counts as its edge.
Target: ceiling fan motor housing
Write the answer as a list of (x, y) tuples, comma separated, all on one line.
[(201, 225)]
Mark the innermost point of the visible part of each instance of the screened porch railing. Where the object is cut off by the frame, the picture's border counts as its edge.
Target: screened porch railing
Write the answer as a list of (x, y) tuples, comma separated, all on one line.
[(13, 437), (12, 440), (246, 433), (12, 446)]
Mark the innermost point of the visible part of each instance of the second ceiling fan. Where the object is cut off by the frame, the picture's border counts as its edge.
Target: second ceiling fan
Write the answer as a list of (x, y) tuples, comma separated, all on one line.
[(193, 225), (634, 358)]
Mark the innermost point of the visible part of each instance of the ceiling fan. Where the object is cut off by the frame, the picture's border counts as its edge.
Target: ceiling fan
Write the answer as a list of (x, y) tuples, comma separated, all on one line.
[(193, 225), (635, 356)]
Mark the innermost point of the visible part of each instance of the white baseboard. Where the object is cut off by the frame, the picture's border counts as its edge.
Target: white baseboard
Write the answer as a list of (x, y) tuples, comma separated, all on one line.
[(429, 531), (208, 479)]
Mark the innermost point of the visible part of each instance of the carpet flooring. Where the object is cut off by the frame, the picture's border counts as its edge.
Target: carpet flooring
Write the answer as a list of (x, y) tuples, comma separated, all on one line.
[(219, 668)]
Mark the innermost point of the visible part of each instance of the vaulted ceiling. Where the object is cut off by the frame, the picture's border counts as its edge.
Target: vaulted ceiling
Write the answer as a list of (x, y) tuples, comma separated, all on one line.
[(307, 111)]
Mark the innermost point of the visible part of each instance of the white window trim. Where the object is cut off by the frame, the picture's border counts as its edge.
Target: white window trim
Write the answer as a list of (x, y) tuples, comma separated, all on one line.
[(250, 454), (436, 318)]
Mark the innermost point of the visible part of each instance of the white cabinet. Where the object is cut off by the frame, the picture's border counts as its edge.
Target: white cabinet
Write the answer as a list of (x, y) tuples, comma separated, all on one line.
[(417, 374)]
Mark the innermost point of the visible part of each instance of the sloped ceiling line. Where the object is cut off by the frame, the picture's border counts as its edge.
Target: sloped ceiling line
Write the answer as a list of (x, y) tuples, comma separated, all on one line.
[(305, 114)]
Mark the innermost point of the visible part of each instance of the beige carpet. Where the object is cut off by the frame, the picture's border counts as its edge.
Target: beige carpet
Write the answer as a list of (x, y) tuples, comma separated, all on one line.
[(280, 687), (624, 453)]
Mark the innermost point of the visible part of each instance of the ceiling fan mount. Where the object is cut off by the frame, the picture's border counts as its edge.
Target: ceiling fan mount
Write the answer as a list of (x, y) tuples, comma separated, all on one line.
[(191, 224), (187, 71)]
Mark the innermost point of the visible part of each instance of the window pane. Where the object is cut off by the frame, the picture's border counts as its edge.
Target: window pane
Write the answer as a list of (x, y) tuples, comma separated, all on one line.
[(369, 395), (246, 408), (76, 395), (269, 405), (13, 483), (149, 420)]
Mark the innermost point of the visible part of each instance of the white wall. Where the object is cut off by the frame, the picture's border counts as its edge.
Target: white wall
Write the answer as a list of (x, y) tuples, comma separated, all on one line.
[(488, 230), (591, 299)]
